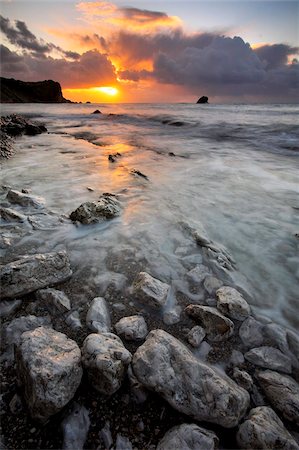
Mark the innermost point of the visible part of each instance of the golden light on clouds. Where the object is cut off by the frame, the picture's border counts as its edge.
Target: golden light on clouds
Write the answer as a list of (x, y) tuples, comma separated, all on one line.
[(99, 94), (107, 90)]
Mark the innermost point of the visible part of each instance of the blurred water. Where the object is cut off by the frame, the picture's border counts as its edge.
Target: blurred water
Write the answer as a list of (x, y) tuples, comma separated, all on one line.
[(235, 170)]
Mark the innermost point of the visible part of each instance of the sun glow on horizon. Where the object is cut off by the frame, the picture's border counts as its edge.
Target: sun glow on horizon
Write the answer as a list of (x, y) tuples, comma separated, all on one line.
[(107, 90)]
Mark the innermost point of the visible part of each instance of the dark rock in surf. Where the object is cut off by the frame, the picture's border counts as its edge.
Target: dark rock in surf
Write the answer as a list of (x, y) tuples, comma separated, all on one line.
[(138, 173), (106, 207), (97, 111), (203, 99)]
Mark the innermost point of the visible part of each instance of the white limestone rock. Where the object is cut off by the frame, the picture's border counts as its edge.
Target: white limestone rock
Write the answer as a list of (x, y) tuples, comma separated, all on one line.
[(34, 272), (132, 328), (188, 437), (263, 429), (231, 303), (150, 291), (105, 359), (98, 316), (217, 326), (166, 366), (49, 368)]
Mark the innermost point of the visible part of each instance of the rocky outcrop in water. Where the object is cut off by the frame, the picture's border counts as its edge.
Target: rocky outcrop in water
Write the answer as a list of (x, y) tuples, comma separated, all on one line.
[(107, 207), (203, 99), (16, 91)]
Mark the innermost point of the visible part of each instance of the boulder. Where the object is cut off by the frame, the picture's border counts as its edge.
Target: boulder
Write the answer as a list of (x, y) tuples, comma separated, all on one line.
[(49, 368), (98, 316), (173, 315), (166, 366), (243, 379), (203, 99), (217, 326), (231, 303), (73, 320), (277, 336), (251, 332), (75, 428), (97, 111), (105, 359), (25, 199), (34, 272), (269, 358), (263, 429), (55, 300), (198, 273), (282, 392), (132, 328), (195, 336), (107, 207), (188, 436), (150, 291)]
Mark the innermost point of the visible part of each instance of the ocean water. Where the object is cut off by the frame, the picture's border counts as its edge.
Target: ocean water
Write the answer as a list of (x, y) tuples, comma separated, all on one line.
[(231, 168)]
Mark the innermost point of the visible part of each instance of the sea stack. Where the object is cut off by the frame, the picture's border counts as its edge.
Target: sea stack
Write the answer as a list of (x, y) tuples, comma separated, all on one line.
[(203, 99)]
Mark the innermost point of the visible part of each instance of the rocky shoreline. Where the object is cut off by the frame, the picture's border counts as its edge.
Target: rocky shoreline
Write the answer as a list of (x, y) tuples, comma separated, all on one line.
[(121, 370)]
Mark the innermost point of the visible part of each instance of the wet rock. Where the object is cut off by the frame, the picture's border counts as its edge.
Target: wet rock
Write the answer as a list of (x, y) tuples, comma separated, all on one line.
[(10, 215), (251, 332), (55, 300), (15, 125), (163, 364), (75, 428), (132, 328), (217, 326), (73, 320), (231, 303), (34, 272), (150, 291), (123, 443), (188, 437), (172, 316), (8, 307), (98, 316), (195, 336), (138, 392), (198, 273), (293, 341), (263, 429), (211, 284), (107, 207), (6, 145), (25, 199), (97, 111), (282, 392), (49, 368), (277, 336), (243, 379), (106, 360), (203, 99), (269, 358), (106, 436), (139, 174), (237, 358), (14, 330)]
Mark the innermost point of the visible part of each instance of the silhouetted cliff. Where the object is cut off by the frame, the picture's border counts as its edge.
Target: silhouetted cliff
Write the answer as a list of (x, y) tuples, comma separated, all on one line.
[(16, 91)]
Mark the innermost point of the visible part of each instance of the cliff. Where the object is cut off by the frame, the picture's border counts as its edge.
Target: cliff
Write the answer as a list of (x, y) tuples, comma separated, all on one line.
[(16, 91)]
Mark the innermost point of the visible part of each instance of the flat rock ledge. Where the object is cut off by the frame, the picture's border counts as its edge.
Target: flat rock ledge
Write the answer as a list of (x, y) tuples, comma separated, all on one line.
[(217, 326), (263, 429), (165, 365), (34, 272), (49, 368), (150, 291), (188, 436), (105, 359), (107, 207)]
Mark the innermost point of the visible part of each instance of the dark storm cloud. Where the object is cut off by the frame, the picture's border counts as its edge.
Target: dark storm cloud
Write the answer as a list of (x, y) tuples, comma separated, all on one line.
[(17, 33), (275, 55)]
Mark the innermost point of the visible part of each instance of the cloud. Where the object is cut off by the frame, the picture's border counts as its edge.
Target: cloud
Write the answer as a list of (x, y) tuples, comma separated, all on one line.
[(275, 55), (91, 69), (106, 13)]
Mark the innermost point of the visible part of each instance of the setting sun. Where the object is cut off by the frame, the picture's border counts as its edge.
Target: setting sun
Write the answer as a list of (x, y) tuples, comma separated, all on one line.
[(107, 90)]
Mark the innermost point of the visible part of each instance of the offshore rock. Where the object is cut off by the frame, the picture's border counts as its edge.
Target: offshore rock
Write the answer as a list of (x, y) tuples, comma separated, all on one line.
[(269, 358), (49, 368), (231, 303), (106, 359), (98, 316), (264, 430), (203, 99), (107, 207), (150, 291), (34, 272), (282, 392), (163, 364), (217, 326), (55, 300), (24, 199), (75, 428), (132, 328), (188, 437)]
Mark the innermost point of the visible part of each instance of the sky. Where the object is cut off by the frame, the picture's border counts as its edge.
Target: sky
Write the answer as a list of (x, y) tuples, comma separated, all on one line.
[(155, 51)]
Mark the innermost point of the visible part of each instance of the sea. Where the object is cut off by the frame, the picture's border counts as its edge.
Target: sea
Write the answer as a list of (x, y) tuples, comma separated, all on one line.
[(231, 169)]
